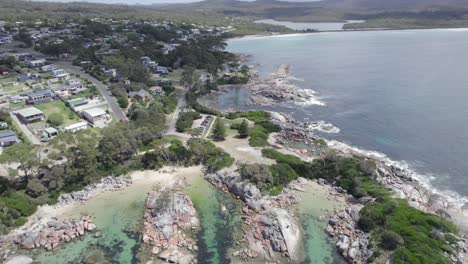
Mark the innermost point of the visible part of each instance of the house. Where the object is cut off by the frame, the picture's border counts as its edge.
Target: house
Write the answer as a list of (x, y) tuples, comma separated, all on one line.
[(73, 81), (58, 72), (36, 63), (147, 62), (73, 103), (30, 115), (5, 39), (8, 138), (37, 86), (156, 90), (76, 127), (120, 79), (15, 99), (162, 70), (140, 95), (39, 97), (95, 115), (35, 76), (23, 56), (49, 133), (109, 72), (23, 78), (47, 68)]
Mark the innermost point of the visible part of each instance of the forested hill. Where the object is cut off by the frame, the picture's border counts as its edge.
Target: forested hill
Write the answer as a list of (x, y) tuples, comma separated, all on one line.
[(331, 10)]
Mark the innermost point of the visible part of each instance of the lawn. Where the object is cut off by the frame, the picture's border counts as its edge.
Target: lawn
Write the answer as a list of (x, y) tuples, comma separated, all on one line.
[(18, 105), (69, 117)]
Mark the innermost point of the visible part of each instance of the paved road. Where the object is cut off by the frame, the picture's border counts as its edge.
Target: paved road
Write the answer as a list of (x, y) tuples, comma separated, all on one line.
[(119, 114), (180, 104)]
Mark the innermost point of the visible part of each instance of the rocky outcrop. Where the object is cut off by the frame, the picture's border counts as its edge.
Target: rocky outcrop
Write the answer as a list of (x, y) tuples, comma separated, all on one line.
[(169, 215), (105, 184), (55, 232), (269, 229), (279, 88), (351, 242)]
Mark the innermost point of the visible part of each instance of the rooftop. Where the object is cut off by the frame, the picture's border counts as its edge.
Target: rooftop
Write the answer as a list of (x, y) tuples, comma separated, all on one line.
[(7, 133), (94, 112), (30, 111)]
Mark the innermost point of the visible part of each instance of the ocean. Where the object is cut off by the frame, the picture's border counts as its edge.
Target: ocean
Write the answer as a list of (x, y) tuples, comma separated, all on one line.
[(400, 93)]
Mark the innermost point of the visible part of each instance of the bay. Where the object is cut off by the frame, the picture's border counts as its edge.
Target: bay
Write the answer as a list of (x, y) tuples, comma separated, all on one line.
[(402, 93)]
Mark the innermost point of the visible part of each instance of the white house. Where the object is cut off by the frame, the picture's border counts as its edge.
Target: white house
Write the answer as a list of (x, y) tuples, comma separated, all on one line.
[(76, 127)]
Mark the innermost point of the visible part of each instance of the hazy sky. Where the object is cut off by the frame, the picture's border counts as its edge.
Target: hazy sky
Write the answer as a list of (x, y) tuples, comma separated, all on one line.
[(130, 2)]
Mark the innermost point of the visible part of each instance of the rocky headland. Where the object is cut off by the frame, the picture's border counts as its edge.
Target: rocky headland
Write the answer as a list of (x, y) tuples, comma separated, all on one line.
[(279, 88), (404, 183), (270, 231), (169, 223), (55, 232)]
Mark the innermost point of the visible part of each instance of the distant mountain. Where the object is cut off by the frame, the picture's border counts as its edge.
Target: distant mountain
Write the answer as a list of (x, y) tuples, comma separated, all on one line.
[(322, 10)]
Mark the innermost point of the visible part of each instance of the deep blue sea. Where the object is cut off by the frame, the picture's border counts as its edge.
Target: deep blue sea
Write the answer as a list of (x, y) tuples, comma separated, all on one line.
[(402, 93)]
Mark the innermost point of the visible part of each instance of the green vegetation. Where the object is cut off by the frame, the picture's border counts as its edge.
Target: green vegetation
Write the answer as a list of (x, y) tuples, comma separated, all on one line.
[(55, 119), (263, 126), (394, 225), (58, 113), (185, 120), (198, 151), (269, 179), (219, 130)]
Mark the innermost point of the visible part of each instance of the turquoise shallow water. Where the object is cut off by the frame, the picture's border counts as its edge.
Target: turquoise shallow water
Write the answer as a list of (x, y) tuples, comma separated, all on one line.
[(119, 216), (401, 93), (219, 215)]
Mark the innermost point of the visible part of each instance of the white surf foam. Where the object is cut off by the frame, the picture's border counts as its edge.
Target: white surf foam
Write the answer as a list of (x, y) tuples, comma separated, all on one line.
[(324, 127), (424, 179)]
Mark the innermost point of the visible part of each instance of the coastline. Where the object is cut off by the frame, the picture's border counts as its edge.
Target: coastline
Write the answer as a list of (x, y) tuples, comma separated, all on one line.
[(299, 33)]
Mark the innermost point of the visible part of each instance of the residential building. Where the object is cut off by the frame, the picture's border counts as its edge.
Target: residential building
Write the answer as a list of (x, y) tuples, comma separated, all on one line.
[(30, 115), (5, 39), (47, 68), (49, 133), (95, 116), (39, 97), (76, 127), (142, 95), (73, 81), (8, 138), (36, 63), (156, 90), (58, 72), (73, 103), (162, 70), (23, 78)]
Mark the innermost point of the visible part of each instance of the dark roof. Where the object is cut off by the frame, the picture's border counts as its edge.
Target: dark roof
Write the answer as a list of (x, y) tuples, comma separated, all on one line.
[(7, 133), (40, 93), (8, 136)]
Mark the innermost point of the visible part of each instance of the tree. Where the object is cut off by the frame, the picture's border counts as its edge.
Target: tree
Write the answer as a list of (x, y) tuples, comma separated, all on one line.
[(55, 119), (258, 174), (219, 131), (244, 129), (24, 154), (188, 76)]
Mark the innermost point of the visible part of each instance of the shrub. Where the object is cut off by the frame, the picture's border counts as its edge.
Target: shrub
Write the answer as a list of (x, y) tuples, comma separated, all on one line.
[(55, 119), (185, 120), (391, 240)]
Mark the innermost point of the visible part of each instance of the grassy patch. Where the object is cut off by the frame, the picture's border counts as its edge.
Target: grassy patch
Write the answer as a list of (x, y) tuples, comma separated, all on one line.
[(59, 107)]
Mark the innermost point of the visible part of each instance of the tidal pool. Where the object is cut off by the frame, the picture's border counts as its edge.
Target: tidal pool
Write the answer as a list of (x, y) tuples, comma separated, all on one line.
[(220, 220)]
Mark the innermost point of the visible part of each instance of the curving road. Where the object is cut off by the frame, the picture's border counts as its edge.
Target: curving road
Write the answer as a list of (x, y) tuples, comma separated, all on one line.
[(118, 113)]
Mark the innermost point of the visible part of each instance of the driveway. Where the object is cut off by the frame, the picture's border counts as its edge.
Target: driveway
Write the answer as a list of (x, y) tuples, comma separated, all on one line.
[(25, 130)]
